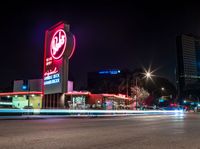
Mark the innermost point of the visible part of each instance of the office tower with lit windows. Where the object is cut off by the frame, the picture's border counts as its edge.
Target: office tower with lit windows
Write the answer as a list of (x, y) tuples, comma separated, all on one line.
[(188, 65)]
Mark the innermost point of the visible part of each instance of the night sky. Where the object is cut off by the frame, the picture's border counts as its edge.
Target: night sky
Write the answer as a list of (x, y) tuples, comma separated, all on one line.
[(110, 35)]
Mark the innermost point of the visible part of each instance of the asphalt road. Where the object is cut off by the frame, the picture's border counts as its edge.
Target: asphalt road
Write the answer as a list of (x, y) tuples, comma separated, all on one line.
[(152, 132)]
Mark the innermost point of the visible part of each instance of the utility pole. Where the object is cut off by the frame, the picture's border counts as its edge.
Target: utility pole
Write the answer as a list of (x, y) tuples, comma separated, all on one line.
[(136, 92), (127, 86)]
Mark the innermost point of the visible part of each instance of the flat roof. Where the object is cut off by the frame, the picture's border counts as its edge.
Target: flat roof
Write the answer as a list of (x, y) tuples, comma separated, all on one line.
[(20, 93)]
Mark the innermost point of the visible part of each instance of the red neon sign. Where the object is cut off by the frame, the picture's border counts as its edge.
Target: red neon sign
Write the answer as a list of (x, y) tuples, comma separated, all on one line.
[(58, 44), (50, 72), (74, 45)]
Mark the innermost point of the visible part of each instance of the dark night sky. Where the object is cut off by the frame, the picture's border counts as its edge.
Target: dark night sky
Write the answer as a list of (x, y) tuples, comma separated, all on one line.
[(109, 35)]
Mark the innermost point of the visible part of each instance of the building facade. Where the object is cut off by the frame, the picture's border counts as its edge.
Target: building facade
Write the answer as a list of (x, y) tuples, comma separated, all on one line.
[(112, 81), (188, 64), (28, 94)]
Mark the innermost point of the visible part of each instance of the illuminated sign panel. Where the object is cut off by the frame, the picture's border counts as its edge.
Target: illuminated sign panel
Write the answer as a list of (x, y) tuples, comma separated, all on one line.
[(51, 79), (24, 87), (59, 47), (58, 44), (112, 72)]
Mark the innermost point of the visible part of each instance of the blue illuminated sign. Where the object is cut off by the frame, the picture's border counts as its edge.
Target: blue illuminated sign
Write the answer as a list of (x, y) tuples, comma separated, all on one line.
[(161, 100), (24, 87), (52, 79), (112, 72)]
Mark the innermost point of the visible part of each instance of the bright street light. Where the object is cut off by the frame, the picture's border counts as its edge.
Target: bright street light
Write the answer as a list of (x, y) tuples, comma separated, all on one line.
[(162, 88), (148, 75)]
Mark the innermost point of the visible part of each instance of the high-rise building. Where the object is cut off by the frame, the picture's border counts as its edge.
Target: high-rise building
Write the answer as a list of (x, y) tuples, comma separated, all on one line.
[(188, 64)]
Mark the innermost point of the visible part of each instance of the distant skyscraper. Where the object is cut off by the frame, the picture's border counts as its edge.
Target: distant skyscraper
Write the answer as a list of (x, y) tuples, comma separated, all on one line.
[(188, 64)]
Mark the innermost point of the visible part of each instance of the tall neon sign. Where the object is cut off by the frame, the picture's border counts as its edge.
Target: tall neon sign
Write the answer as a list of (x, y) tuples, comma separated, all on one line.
[(59, 47)]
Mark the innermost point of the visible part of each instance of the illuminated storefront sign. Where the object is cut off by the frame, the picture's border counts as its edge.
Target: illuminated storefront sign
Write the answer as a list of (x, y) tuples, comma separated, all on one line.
[(59, 47), (112, 72), (58, 44), (50, 72), (52, 79)]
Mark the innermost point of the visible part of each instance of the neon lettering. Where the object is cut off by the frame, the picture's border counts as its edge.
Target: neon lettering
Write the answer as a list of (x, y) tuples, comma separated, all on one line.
[(48, 61), (52, 79), (58, 44), (51, 72)]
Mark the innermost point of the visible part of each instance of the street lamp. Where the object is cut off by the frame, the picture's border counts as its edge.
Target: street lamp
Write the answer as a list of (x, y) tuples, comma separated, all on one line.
[(147, 75), (162, 88), (136, 93)]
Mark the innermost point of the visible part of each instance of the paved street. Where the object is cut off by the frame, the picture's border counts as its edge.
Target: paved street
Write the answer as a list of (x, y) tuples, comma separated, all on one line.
[(152, 131)]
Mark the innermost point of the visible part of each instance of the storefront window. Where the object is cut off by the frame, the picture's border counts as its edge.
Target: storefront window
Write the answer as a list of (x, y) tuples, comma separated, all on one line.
[(79, 102)]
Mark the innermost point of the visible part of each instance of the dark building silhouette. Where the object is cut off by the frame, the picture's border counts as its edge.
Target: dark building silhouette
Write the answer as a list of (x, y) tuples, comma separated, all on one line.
[(109, 81), (120, 81), (188, 65)]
